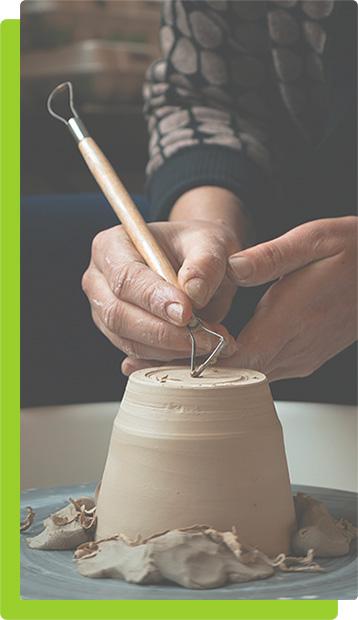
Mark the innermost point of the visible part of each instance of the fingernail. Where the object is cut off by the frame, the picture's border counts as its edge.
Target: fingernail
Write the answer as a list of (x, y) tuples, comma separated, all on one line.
[(197, 290), (241, 267), (127, 368), (175, 312)]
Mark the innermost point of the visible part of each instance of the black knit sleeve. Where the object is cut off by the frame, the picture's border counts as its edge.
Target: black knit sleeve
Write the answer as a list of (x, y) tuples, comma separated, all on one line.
[(202, 100)]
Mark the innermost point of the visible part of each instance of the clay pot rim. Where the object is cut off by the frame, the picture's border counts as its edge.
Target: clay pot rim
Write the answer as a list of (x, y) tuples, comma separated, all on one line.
[(139, 377)]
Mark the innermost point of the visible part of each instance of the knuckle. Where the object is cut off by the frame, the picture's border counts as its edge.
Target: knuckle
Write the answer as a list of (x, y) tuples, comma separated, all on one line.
[(119, 231), (97, 242), (323, 236), (227, 239), (95, 319), (120, 276), (134, 349), (272, 255), (210, 266), (127, 347), (150, 294), (217, 261), (316, 238), (111, 317), (85, 282), (119, 234), (101, 239), (162, 333)]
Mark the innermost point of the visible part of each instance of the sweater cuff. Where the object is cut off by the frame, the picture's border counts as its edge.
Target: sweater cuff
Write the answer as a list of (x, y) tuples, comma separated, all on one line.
[(205, 165)]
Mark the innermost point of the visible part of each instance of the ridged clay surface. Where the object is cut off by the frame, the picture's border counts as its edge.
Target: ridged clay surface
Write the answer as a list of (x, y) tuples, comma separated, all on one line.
[(208, 450)]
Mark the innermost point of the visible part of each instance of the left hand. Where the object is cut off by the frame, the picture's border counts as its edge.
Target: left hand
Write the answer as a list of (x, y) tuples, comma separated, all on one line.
[(309, 314)]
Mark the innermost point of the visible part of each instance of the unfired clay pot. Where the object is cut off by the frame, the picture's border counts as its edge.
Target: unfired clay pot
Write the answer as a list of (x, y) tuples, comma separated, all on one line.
[(190, 451)]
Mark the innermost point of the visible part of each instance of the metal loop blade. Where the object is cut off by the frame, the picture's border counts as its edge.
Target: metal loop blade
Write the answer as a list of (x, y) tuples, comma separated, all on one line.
[(54, 97), (195, 370)]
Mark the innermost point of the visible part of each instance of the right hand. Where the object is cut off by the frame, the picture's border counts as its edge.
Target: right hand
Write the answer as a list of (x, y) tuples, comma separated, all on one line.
[(143, 315)]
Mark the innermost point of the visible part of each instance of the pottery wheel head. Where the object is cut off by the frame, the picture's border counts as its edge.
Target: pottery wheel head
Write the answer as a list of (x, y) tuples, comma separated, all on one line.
[(179, 377)]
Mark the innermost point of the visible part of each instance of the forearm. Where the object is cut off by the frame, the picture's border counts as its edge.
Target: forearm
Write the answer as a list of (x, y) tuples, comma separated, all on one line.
[(211, 203)]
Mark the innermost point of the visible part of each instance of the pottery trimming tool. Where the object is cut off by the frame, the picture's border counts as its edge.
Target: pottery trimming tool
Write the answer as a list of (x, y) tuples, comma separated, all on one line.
[(126, 211)]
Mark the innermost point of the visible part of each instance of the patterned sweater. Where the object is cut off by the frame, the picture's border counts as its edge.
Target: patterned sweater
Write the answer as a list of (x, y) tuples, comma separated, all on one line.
[(242, 88)]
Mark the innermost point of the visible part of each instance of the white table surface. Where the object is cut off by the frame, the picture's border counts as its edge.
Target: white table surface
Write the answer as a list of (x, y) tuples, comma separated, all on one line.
[(67, 445)]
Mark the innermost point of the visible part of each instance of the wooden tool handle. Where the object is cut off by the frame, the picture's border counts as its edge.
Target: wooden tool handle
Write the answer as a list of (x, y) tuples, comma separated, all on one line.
[(126, 211)]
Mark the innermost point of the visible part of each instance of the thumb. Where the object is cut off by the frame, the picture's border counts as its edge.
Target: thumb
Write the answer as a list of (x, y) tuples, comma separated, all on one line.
[(203, 270), (274, 259)]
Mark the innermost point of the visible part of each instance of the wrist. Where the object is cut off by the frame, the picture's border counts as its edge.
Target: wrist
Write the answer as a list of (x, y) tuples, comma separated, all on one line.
[(211, 203)]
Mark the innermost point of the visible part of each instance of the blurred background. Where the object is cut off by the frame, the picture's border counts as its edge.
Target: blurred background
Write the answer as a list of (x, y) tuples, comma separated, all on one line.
[(104, 47)]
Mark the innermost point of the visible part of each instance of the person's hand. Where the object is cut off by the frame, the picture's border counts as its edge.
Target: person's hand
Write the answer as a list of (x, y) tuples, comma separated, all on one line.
[(143, 315), (310, 313)]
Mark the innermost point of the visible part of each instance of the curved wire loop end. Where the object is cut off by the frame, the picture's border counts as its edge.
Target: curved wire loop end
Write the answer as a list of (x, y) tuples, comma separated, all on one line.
[(53, 96), (196, 371), (69, 114)]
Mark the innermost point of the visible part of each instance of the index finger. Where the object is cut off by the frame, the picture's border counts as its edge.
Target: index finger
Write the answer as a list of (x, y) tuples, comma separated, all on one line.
[(131, 280)]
